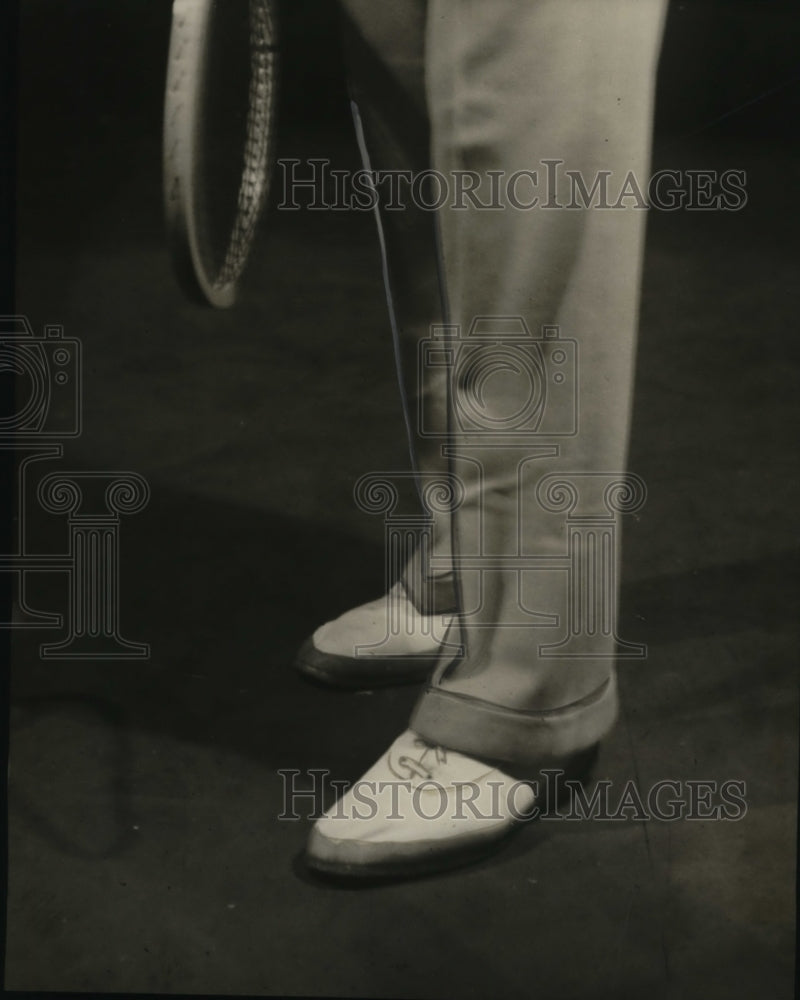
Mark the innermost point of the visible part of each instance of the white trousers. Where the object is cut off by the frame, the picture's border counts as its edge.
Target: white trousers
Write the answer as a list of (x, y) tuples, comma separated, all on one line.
[(515, 325)]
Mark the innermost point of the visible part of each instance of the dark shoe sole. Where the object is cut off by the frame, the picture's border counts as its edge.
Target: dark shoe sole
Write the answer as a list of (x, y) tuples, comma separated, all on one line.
[(360, 672)]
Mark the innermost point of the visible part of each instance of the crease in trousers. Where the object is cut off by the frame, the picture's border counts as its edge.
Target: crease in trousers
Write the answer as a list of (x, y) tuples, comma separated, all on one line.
[(493, 87)]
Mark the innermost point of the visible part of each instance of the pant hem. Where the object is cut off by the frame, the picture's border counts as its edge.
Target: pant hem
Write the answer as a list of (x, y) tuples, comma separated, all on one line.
[(484, 730)]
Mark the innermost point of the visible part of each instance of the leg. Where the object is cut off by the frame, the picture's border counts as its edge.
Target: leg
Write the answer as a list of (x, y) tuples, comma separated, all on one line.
[(513, 83), (384, 46)]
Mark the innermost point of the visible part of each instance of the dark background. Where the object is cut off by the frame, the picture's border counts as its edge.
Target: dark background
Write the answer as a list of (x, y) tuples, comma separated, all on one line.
[(144, 850), (729, 69)]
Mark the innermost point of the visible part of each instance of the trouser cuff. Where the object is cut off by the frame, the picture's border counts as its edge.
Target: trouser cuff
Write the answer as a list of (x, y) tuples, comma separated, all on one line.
[(493, 732)]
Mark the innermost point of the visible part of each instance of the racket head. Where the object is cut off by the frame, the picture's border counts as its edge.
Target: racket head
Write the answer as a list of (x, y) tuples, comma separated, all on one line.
[(218, 149)]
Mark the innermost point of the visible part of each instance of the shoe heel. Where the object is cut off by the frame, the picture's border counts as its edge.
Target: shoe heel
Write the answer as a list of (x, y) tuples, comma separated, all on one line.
[(579, 768), (581, 765)]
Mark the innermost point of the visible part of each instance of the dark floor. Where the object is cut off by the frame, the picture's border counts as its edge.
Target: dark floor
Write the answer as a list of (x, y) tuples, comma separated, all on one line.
[(145, 850)]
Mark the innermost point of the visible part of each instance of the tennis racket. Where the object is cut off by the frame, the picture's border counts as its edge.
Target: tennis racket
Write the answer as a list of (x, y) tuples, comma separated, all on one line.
[(219, 113)]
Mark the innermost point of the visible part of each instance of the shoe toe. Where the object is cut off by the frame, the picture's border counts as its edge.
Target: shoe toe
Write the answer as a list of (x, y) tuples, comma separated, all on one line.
[(387, 822)]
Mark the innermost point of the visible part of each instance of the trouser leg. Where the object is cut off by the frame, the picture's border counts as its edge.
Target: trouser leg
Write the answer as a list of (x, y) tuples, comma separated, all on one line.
[(512, 83), (384, 47)]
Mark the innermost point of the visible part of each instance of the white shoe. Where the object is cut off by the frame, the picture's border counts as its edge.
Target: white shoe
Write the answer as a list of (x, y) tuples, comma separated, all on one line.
[(386, 641), (420, 808)]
